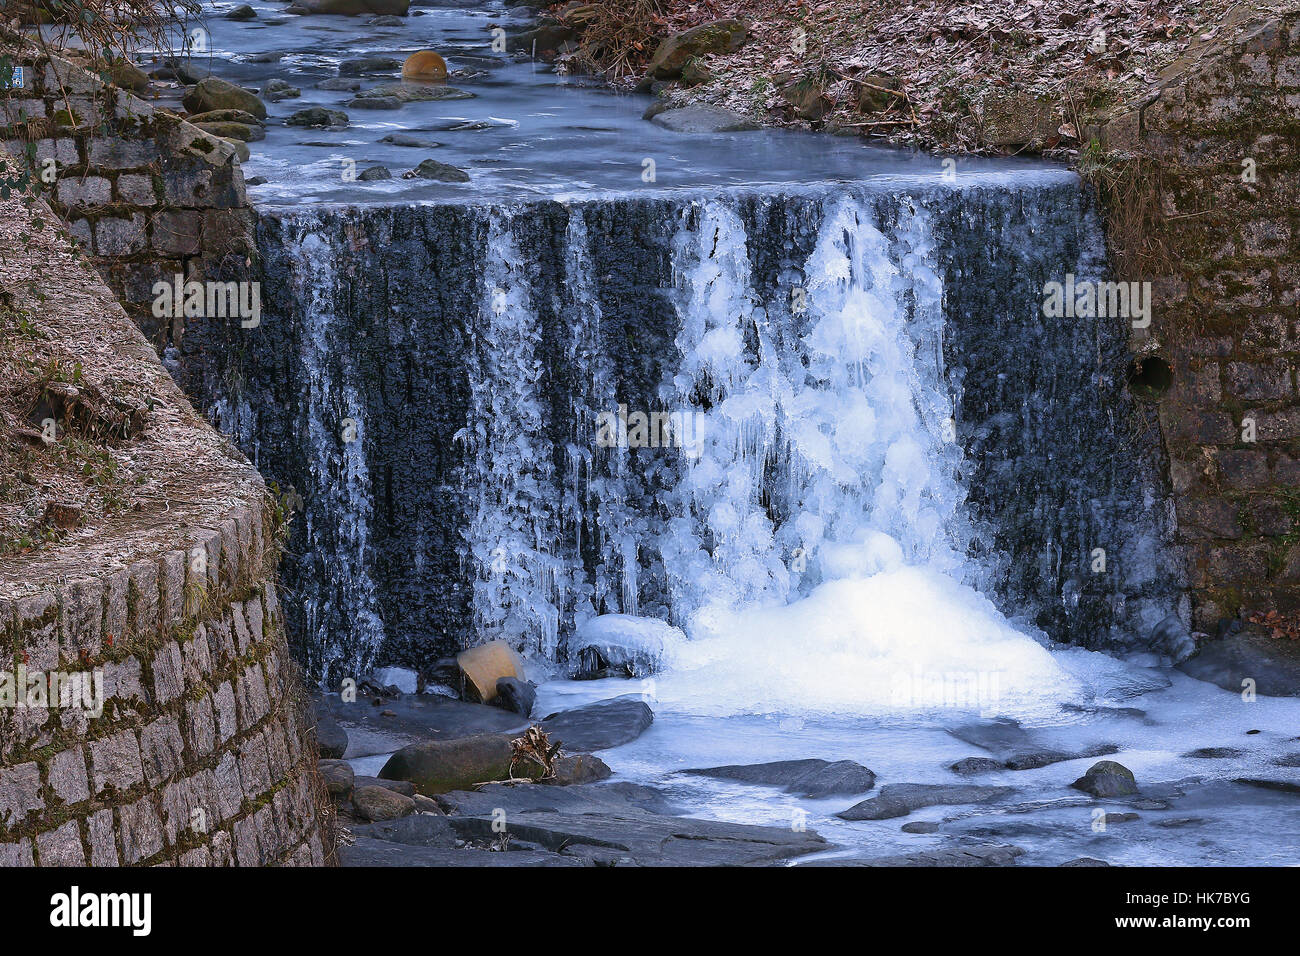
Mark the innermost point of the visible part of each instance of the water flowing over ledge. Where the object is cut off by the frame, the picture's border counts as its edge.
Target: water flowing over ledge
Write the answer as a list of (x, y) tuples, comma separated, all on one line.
[(875, 439)]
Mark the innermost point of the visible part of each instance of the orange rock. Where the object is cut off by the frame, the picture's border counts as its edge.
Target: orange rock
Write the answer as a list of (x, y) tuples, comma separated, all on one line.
[(485, 664), (425, 65)]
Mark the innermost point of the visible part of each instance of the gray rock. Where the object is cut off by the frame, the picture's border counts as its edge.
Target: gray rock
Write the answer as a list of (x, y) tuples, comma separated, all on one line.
[(375, 103), (339, 778), (405, 139), (374, 174), (703, 119), (442, 172), (1106, 778), (339, 83), (599, 726), (414, 830), (806, 778), (1274, 667), (317, 117), (574, 769), (921, 826), (1033, 759), (379, 803), (242, 12), (1281, 786), (404, 787), (415, 718), (969, 766), (369, 65), (425, 804), (442, 765), (332, 738), (515, 695), (1213, 753), (277, 90), (998, 736), (900, 799), (1120, 817)]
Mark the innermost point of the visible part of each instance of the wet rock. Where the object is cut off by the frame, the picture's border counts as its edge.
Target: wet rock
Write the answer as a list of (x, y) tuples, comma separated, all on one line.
[(441, 172), (404, 787), (440, 766), (579, 768), (1110, 818), (256, 181), (339, 778), (719, 36), (424, 65), (242, 12), (368, 65), (1177, 823), (224, 116), (338, 83), (703, 119), (212, 93), (900, 799), (318, 117), (806, 778), (332, 738), (979, 854), (1149, 803), (1106, 778), (417, 718), (1287, 760), (515, 695), (374, 174), (378, 803), (375, 103), (405, 139), (412, 93), (548, 37), (277, 90), (1033, 759), (921, 826), (1281, 786), (272, 56), (999, 736), (239, 131), (369, 852), (599, 726), (1214, 753), (1272, 665), (1085, 861), (969, 766)]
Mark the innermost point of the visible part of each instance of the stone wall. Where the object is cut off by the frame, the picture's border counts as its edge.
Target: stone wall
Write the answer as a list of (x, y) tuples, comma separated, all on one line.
[(203, 752), (147, 194), (1219, 141)]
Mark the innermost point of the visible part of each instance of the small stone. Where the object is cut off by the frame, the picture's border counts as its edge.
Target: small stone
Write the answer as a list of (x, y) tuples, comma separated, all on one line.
[(317, 117), (339, 778)]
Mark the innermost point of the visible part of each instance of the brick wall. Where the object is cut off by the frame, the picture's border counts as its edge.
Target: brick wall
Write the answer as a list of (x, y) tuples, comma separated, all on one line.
[(146, 194), (1221, 138), (203, 752)]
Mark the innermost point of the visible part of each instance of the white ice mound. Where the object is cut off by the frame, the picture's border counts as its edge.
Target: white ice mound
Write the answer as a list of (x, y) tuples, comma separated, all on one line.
[(637, 644), (907, 640)]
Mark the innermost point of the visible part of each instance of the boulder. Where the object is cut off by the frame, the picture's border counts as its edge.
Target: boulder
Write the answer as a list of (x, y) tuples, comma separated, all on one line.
[(440, 766), (515, 695), (335, 83), (703, 119), (224, 116), (424, 65), (877, 93), (374, 174), (811, 778), (332, 738), (900, 799), (1106, 778), (720, 36), (239, 131), (578, 768), (318, 117), (599, 726), (807, 95), (443, 173), (545, 38), (242, 12), (212, 93), (970, 766), (369, 64), (404, 787), (1015, 118), (482, 666), (405, 139), (378, 803), (277, 90), (339, 778)]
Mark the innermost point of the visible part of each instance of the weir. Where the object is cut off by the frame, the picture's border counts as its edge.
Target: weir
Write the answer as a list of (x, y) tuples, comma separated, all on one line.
[(872, 367)]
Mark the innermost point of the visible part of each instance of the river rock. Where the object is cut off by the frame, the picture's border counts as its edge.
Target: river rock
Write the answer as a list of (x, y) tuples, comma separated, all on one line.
[(336, 83), (318, 117), (980, 854), (277, 90), (1272, 665), (969, 766), (378, 803), (1106, 778), (374, 174), (1085, 861), (441, 172), (515, 695), (212, 93), (369, 64), (1033, 759), (339, 778), (1214, 753), (439, 766), (900, 799), (424, 65), (332, 739), (224, 116), (405, 139), (599, 726), (805, 778), (720, 36), (573, 769), (703, 119), (481, 667), (239, 131), (404, 787), (412, 830), (242, 12), (921, 826)]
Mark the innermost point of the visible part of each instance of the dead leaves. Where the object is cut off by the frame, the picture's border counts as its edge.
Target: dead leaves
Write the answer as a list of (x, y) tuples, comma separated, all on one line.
[(534, 754), (1278, 625)]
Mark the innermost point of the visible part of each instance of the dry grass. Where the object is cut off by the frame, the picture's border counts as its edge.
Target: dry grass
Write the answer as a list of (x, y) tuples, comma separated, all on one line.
[(620, 37)]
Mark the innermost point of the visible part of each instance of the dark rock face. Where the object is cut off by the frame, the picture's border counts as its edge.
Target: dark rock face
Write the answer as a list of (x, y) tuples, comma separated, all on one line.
[(599, 726), (1106, 778), (1271, 666), (363, 390), (515, 695), (805, 778), (900, 799)]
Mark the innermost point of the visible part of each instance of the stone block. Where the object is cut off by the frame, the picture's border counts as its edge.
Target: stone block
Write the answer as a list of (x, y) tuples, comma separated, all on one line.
[(61, 847), (161, 750), (140, 829), (68, 777), (115, 762)]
